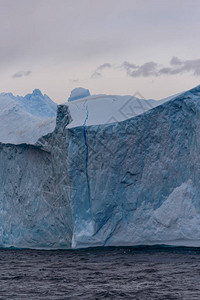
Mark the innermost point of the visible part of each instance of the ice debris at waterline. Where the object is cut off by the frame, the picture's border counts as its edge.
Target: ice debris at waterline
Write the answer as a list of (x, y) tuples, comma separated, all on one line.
[(128, 183)]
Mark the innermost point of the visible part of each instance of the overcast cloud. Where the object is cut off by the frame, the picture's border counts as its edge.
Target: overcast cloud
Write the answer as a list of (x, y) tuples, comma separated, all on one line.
[(62, 41)]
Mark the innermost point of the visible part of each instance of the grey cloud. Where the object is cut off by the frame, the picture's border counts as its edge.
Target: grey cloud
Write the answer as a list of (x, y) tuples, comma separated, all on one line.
[(96, 75), (99, 69), (145, 70), (177, 66), (171, 71), (104, 66), (127, 65), (175, 61), (21, 74), (182, 66)]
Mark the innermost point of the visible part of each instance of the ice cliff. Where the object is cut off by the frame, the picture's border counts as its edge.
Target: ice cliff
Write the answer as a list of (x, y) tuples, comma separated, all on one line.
[(126, 183)]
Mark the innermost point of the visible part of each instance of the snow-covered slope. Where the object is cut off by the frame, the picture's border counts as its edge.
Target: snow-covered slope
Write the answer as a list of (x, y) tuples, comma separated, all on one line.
[(126, 183), (105, 109), (25, 119)]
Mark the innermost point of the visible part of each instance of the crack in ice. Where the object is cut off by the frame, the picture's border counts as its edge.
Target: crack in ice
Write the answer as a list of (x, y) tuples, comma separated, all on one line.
[(86, 145)]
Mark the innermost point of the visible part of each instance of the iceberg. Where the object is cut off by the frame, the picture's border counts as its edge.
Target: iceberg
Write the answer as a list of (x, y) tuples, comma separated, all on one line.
[(126, 183), (78, 93), (26, 119)]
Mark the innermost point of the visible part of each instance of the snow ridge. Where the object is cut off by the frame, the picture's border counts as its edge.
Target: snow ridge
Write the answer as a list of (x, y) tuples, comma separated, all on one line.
[(25, 119)]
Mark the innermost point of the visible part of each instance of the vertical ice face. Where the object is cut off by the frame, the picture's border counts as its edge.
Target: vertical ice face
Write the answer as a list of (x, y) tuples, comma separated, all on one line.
[(126, 183), (35, 210), (138, 171)]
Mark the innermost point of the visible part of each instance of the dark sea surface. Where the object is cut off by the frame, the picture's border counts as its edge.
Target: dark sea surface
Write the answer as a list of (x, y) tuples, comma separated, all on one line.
[(104, 273)]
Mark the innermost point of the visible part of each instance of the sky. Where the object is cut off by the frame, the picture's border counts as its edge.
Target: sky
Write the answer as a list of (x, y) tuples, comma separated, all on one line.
[(123, 47)]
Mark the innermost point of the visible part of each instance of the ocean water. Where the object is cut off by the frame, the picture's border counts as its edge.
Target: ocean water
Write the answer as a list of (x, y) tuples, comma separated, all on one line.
[(103, 273)]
